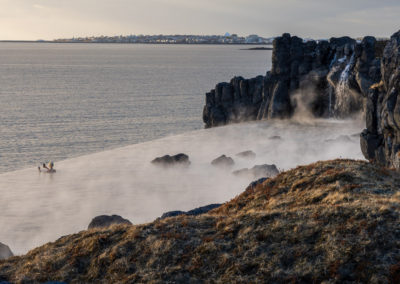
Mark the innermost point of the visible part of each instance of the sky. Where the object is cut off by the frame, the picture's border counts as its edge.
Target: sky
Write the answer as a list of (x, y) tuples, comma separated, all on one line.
[(52, 19)]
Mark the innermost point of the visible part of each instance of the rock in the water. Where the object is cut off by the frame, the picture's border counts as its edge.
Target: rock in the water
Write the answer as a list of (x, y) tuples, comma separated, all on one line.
[(223, 161), (258, 171), (247, 154), (104, 221), (5, 251), (275, 137), (193, 212), (167, 160), (340, 139)]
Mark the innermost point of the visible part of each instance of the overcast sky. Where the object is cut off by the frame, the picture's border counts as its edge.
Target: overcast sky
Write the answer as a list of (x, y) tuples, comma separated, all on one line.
[(51, 19)]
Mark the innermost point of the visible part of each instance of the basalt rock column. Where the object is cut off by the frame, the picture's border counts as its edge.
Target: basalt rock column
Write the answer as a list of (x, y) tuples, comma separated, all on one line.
[(323, 78), (380, 141)]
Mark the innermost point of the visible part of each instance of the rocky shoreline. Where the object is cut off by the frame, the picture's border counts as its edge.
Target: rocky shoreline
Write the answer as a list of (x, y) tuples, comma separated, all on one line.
[(333, 221), (324, 78)]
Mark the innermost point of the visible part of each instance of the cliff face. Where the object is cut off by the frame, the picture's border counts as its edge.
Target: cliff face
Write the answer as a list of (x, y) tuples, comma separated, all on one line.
[(332, 222), (327, 78), (380, 141)]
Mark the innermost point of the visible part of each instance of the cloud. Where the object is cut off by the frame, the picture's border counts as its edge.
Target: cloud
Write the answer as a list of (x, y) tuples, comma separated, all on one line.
[(32, 19)]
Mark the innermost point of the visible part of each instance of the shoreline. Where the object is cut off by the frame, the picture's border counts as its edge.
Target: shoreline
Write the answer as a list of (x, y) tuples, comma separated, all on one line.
[(146, 43)]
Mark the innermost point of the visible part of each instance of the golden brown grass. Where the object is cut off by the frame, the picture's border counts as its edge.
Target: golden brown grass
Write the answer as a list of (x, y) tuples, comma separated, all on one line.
[(335, 221)]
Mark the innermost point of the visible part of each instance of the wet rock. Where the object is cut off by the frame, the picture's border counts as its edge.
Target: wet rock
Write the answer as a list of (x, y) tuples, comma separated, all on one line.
[(5, 251), (247, 154), (275, 137), (223, 161), (193, 212), (167, 160), (104, 221), (340, 139), (258, 171)]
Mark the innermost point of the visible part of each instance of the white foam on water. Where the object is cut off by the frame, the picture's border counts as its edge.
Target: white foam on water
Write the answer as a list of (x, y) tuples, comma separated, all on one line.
[(39, 207)]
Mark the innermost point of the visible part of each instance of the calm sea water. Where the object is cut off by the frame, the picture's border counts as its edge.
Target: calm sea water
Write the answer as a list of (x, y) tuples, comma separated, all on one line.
[(64, 100)]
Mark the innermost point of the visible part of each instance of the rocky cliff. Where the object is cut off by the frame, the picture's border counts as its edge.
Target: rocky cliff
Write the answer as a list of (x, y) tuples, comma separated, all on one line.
[(328, 222), (325, 78), (380, 141)]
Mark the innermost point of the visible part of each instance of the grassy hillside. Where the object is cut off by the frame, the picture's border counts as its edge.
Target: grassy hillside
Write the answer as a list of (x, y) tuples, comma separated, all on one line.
[(332, 221)]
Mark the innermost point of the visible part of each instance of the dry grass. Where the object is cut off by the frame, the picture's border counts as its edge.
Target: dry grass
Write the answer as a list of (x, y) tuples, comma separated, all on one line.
[(334, 221)]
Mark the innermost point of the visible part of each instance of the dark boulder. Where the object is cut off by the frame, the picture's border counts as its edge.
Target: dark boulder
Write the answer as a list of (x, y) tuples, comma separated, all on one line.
[(247, 154), (275, 137), (5, 251), (223, 161), (104, 221), (339, 139), (258, 171), (167, 160), (193, 212)]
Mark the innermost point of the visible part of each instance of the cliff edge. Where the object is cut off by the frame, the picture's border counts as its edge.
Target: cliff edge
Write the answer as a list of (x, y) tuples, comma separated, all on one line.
[(326, 78)]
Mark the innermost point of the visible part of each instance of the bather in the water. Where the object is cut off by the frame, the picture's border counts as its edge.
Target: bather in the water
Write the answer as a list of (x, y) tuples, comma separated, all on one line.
[(47, 169)]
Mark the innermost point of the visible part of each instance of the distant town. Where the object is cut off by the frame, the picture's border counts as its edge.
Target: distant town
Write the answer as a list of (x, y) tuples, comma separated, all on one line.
[(173, 39)]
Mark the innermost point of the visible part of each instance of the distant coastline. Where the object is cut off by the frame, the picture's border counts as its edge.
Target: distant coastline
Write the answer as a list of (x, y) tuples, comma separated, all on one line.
[(27, 41), (230, 39), (157, 43), (173, 39)]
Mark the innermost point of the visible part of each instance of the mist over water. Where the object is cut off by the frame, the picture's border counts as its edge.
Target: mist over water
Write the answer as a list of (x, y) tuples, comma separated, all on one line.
[(63, 101), (39, 207)]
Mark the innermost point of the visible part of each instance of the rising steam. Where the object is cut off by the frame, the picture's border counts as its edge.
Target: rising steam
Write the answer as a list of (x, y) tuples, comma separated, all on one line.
[(37, 208)]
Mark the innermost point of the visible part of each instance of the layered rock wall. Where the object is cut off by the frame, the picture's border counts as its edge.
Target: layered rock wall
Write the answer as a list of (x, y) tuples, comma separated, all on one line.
[(326, 78), (380, 141)]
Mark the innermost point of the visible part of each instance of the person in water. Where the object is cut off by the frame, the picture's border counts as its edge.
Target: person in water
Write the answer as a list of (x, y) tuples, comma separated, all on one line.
[(49, 168)]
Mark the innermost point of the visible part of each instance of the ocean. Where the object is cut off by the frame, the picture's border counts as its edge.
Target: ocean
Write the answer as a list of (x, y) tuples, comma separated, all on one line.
[(64, 100), (104, 112)]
